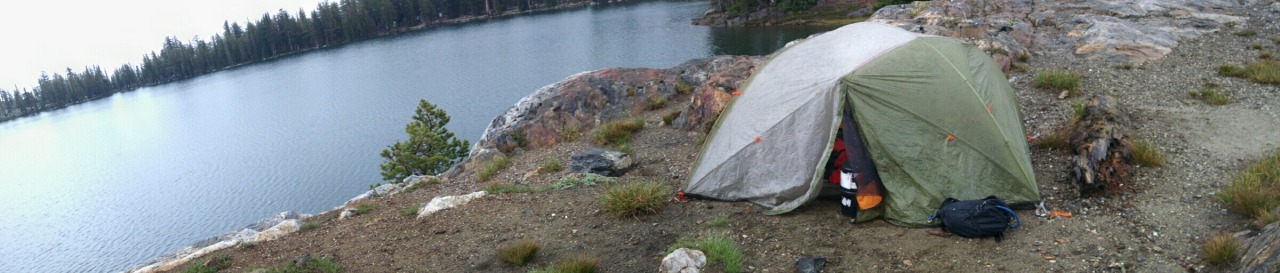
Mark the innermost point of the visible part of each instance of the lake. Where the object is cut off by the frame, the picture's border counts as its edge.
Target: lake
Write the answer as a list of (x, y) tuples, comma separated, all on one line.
[(114, 183)]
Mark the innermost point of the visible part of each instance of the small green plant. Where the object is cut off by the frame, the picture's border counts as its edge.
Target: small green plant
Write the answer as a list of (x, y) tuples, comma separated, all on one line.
[(635, 199), (1146, 155), (364, 208), (409, 212), (722, 221), (309, 226), (718, 248), (1245, 33), (1024, 57), (212, 265), (670, 117), (498, 163), (550, 166), (520, 137), (1255, 46), (518, 253), (625, 148), (685, 89), (1126, 66), (656, 103), (308, 265), (569, 133), (1264, 71), (1079, 111), (618, 131), (577, 264), (586, 180), (419, 185), (1058, 80), (1211, 97), (1265, 55), (1221, 249), (1256, 189)]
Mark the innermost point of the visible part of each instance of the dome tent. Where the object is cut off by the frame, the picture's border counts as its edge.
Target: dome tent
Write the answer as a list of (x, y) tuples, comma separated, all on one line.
[(937, 117)]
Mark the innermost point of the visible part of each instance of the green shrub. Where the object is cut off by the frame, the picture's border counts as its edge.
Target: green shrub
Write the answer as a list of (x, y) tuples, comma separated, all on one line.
[(618, 131), (1221, 249), (518, 253), (1146, 155), (550, 166), (498, 163), (718, 248), (635, 199), (586, 180), (1245, 33), (1059, 81), (656, 103), (1256, 189), (313, 265), (409, 212)]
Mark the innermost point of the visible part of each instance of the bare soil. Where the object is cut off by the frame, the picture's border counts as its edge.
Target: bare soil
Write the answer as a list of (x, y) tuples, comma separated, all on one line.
[(1156, 228)]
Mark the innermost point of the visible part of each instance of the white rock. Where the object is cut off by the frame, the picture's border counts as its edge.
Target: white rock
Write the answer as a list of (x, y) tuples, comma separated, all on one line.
[(348, 212), (279, 230), (683, 260), (446, 202)]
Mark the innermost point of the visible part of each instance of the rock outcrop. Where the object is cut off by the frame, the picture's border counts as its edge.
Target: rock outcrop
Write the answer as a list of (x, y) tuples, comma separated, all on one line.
[(1262, 251), (585, 100), (599, 161), (1134, 31), (446, 202), (683, 260)]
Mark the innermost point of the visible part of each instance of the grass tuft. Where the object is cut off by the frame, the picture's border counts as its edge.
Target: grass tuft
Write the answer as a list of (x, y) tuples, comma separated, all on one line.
[(618, 131), (1211, 97), (496, 188), (1256, 189), (718, 248), (635, 199), (722, 221), (578, 264), (1245, 33), (670, 117), (309, 226), (1265, 55), (1058, 80), (1056, 140), (551, 166), (1126, 66), (1264, 71), (684, 88), (1146, 155), (1221, 250), (656, 103), (569, 133), (495, 165), (518, 253), (1255, 46), (409, 212), (1262, 218), (364, 208)]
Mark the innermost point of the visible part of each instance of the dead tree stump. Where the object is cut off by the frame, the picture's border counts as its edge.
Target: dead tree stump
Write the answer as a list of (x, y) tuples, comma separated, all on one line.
[(1103, 152)]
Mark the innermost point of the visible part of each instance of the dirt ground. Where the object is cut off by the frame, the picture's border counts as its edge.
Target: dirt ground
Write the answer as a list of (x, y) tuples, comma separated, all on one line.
[(1157, 228)]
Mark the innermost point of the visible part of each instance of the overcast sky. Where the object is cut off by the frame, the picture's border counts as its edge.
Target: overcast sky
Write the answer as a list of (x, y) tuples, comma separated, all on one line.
[(51, 35)]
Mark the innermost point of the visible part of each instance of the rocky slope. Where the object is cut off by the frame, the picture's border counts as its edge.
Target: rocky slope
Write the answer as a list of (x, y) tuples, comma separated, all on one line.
[(1171, 48)]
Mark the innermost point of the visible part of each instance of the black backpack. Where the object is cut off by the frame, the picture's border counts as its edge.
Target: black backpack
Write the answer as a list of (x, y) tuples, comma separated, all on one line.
[(987, 217)]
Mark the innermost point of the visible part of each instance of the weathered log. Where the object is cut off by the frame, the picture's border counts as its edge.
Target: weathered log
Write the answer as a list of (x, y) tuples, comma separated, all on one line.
[(1103, 152)]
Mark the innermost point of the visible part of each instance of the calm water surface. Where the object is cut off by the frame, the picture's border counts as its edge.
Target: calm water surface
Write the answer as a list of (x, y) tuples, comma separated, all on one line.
[(112, 184)]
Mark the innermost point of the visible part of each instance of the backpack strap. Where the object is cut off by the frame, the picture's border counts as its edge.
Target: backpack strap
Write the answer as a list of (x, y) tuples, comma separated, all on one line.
[(1017, 222)]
